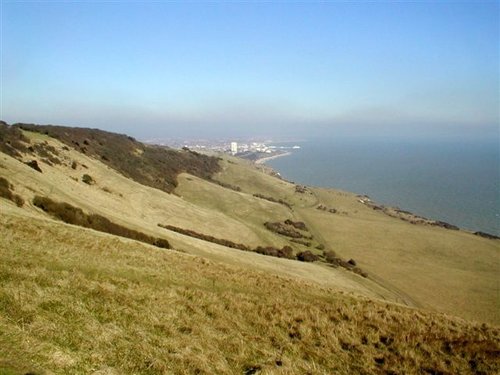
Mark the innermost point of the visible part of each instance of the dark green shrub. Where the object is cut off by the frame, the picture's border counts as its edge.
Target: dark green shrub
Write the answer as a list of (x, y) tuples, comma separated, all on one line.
[(88, 179)]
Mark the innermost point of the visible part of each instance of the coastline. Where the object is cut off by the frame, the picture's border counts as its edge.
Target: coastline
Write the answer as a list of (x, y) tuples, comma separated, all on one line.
[(391, 183), (267, 158)]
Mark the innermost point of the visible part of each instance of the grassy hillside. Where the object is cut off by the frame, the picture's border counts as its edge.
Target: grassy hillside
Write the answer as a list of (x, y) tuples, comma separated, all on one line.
[(142, 208), (77, 301), (73, 300), (153, 166), (436, 268), (419, 265), (445, 270)]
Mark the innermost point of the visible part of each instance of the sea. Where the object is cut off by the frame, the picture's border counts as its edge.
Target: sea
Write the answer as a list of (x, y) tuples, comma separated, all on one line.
[(450, 180)]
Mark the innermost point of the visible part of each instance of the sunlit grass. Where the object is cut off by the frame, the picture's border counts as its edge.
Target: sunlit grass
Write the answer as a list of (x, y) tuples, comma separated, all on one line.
[(78, 301)]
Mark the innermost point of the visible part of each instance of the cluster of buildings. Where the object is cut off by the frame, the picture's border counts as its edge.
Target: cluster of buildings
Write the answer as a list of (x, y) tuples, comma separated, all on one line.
[(240, 148), (231, 147)]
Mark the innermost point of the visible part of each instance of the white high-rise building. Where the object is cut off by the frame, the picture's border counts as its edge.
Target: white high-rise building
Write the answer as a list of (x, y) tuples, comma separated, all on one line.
[(234, 148)]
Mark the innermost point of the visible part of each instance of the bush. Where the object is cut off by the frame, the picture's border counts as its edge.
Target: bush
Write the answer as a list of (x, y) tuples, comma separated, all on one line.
[(283, 229), (301, 242), (296, 224), (12, 140), (205, 237), (74, 215), (74, 164), (271, 199), (285, 252), (5, 192), (330, 257), (307, 256), (153, 166), (88, 179), (34, 164), (300, 189), (225, 185)]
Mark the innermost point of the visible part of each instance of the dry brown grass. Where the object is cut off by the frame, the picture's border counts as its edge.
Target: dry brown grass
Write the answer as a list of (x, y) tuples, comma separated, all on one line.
[(445, 270), (78, 301), (141, 208), (448, 271)]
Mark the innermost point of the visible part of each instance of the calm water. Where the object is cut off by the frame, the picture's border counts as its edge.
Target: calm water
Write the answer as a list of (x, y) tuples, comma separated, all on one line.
[(457, 182)]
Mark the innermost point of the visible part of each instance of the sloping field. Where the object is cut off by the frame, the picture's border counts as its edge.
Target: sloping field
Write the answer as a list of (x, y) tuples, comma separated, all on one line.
[(141, 208), (419, 265), (77, 301), (112, 194), (446, 270)]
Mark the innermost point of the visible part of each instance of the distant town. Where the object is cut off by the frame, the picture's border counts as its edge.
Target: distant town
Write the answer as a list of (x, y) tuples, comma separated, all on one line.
[(255, 150)]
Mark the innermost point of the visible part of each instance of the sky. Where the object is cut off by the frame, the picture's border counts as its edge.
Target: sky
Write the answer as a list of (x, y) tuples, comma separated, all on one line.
[(236, 69)]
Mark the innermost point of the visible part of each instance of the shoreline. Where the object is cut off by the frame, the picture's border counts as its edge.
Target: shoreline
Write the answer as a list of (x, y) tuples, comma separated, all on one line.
[(267, 158)]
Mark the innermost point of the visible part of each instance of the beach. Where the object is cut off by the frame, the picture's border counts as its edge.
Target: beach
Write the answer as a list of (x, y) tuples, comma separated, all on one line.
[(263, 160)]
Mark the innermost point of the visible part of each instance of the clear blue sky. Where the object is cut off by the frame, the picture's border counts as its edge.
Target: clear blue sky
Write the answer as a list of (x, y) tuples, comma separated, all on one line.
[(228, 69)]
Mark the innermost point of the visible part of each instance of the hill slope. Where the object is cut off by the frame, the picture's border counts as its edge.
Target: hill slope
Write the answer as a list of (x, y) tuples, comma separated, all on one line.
[(142, 208), (239, 311), (78, 301), (420, 265)]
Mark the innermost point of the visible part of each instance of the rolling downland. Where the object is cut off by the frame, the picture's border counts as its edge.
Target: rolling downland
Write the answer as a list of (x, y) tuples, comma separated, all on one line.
[(379, 295)]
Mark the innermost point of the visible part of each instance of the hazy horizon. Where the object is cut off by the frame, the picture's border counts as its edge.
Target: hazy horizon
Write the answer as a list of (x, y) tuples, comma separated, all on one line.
[(154, 69)]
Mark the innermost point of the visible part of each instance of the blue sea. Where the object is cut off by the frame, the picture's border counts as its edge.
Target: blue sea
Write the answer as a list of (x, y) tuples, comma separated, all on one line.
[(453, 181)]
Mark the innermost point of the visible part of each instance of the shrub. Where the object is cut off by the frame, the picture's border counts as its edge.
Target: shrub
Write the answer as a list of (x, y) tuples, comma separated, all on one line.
[(271, 199), (301, 242), (74, 215), (12, 140), (34, 164), (282, 229), (487, 235), (88, 179), (307, 256), (359, 271), (296, 224), (330, 256), (205, 237), (154, 166), (300, 189), (225, 185), (74, 164), (322, 207), (285, 252), (5, 192), (445, 225)]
